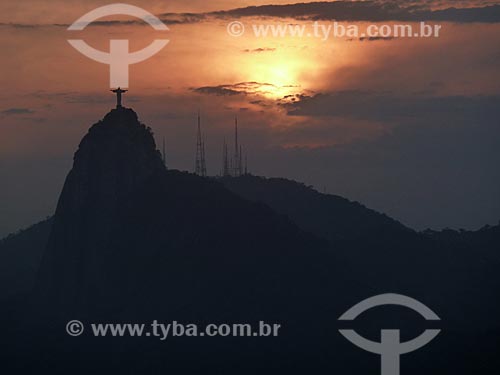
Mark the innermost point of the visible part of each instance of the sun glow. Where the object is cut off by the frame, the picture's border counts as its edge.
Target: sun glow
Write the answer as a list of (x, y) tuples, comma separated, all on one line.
[(276, 78), (280, 75)]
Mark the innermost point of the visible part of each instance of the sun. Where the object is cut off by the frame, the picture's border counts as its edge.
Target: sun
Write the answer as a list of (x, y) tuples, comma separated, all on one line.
[(280, 75), (276, 78)]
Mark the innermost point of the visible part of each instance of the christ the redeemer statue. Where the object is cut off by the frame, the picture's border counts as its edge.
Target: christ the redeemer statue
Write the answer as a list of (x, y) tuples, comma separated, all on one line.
[(118, 93)]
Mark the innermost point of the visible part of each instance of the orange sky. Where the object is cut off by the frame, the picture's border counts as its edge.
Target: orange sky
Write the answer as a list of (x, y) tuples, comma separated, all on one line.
[(51, 94)]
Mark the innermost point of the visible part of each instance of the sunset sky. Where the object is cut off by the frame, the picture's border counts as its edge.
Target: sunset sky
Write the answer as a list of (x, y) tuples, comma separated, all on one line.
[(407, 126)]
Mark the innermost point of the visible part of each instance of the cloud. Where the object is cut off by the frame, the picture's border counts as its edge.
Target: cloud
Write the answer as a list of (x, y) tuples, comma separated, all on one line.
[(17, 111), (244, 88), (182, 18), (221, 90), (375, 38), (167, 18), (354, 11), (258, 50), (367, 11), (19, 25)]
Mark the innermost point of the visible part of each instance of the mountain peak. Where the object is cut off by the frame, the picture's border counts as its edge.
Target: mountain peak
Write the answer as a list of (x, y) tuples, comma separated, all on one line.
[(121, 114), (115, 158), (116, 155)]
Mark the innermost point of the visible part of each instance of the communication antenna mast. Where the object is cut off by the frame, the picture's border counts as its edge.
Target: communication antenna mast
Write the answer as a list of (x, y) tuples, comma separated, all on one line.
[(200, 164)]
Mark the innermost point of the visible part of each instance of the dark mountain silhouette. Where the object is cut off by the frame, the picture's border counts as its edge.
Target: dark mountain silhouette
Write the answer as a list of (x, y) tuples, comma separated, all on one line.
[(486, 238), (459, 266), (133, 242), (368, 240), (20, 256), (329, 216), (125, 225)]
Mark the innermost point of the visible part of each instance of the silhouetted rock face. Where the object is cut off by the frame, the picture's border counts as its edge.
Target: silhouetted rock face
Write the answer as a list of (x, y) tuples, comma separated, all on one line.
[(127, 230), (114, 159)]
